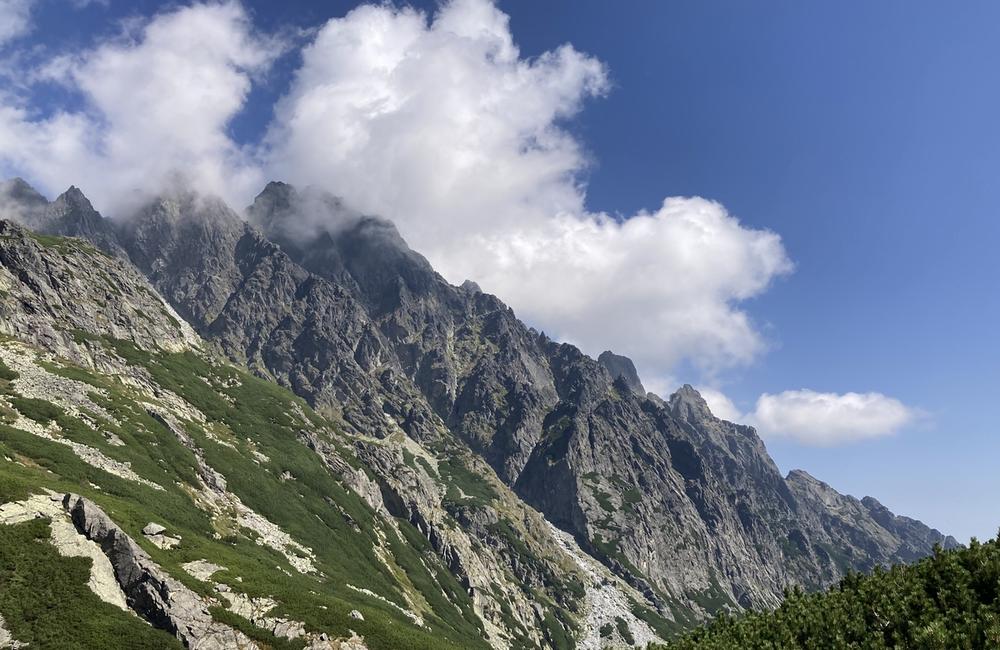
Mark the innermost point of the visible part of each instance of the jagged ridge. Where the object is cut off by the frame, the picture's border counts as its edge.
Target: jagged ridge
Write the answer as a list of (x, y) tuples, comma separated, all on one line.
[(689, 508)]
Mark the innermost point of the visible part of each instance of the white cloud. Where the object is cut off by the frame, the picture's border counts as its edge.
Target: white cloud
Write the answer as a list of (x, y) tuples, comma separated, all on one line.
[(15, 18), (436, 122), (826, 419), (441, 125), (720, 405), (818, 419), (158, 102)]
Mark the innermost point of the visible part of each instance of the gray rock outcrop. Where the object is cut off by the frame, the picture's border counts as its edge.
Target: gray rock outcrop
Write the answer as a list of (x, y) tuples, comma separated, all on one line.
[(150, 591), (620, 367)]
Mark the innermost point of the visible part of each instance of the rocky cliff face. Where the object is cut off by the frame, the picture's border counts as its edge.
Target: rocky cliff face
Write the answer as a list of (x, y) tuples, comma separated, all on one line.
[(54, 288), (620, 367), (469, 422), (183, 458), (691, 508), (861, 534)]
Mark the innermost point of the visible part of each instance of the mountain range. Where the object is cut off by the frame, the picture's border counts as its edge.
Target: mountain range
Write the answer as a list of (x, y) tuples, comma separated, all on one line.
[(282, 428)]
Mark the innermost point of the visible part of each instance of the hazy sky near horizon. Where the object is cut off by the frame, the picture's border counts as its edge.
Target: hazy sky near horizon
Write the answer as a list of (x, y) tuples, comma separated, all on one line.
[(791, 205)]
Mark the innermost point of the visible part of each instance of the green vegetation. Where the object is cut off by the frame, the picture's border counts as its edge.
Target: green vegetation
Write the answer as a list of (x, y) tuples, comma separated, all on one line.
[(36, 409), (664, 628), (244, 415), (950, 600), (464, 485), (46, 602), (713, 599), (6, 374), (623, 631), (63, 244), (631, 497), (555, 633)]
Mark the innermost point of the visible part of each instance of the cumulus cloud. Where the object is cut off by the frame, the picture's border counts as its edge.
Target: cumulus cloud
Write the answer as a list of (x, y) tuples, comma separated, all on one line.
[(15, 19), (158, 101), (720, 405), (825, 419), (662, 286), (437, 122), (440, 124)]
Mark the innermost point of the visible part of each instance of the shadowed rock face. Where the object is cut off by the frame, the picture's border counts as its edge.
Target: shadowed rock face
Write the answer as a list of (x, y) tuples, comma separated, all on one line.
[(690, 508), (622, 367), (245, 293)]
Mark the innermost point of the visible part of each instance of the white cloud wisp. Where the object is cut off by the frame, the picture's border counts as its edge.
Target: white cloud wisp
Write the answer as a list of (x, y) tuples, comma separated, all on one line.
[(825, 419), (15, 19)]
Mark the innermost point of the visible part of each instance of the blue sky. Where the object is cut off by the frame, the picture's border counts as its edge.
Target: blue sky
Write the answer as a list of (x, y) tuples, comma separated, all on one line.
[(863, 134)]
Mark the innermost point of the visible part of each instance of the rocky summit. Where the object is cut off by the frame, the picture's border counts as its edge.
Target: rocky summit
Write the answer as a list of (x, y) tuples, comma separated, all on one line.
[(281, 428)]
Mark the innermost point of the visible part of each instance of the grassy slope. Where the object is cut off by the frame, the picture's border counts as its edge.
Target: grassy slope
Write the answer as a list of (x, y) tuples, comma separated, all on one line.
[(246, 412), (45, 599)]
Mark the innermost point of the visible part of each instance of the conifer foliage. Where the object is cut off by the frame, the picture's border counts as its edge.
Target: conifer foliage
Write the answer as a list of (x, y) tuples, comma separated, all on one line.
[(950, 600)]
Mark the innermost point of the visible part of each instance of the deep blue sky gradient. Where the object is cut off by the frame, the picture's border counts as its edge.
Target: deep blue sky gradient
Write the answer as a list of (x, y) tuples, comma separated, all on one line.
[(867, 134)]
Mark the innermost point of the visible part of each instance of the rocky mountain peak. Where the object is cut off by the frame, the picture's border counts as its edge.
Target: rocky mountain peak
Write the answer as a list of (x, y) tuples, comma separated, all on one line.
[(471, 287), (71, 212), (70, 215), (298, 216), (687, 404), (804, 481), (802, 476), (366, 253), (183, 203), (19, 190), (277, 189), (622, 367), (74, 197), (22, 203)]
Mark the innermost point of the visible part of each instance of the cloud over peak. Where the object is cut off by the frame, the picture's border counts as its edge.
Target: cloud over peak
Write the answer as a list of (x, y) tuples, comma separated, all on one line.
[(438, 123), (157, 102), (434, 121)]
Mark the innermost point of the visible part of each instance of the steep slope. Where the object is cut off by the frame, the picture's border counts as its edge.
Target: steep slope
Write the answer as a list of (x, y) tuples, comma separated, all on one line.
[(244, 293), (861, 534), (689, 509), (215, 458), (108, 395), (481, 370)]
